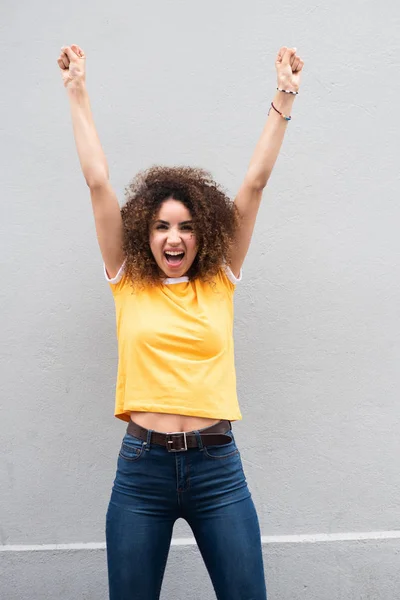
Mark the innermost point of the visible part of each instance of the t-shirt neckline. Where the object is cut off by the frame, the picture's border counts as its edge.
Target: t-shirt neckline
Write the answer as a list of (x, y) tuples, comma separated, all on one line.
[(172, 280)]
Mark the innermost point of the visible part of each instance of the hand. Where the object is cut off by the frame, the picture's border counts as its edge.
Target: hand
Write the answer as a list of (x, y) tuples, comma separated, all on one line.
[(72, 64), (288, 66)]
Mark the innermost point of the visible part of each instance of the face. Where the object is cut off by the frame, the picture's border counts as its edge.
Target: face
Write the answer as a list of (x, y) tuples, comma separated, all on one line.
[(172, 239)]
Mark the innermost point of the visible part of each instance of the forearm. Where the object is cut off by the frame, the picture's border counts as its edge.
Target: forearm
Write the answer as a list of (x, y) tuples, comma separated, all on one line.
[(91, 156), (270, 142)]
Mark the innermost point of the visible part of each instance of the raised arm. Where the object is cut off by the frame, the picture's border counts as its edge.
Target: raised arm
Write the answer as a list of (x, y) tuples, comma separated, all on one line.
[(93, 162), (288, 66)]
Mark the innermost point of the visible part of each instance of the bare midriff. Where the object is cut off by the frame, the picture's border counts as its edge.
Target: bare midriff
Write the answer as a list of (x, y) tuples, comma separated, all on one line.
[(168, 423)]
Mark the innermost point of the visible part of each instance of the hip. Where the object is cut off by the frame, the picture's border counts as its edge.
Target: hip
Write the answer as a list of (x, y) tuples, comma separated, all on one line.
[(191, 469)]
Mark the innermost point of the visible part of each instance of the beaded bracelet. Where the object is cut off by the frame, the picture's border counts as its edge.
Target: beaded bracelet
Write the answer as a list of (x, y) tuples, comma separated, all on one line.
[(279, 112), (287, 91)]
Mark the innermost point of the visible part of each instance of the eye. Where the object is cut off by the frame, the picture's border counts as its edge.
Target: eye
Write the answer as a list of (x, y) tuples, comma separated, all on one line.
[(161, 226), (187, 227)]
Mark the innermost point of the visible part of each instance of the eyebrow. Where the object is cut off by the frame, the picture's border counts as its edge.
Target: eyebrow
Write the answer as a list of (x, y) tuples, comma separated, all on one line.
[(167, 223)]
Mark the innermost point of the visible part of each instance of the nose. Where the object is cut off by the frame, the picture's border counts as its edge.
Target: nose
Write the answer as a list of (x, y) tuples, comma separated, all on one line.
[(173, 237)]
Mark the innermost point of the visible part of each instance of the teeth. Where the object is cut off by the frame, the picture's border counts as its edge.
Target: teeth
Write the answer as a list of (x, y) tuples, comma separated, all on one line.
[(173, 253)]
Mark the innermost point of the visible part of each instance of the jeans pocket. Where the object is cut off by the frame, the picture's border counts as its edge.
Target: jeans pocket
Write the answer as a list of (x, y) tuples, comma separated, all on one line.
[(131, 448), (222, 451)]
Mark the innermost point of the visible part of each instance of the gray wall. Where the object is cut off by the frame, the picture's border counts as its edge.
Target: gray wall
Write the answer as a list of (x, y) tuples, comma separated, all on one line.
[(317, 329)]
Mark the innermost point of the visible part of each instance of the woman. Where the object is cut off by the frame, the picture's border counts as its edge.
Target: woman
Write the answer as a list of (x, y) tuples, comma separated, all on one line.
[(172, 256)]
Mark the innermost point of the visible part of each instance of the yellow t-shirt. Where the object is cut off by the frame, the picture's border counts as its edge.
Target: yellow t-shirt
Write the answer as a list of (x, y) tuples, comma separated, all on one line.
[(175, 347)]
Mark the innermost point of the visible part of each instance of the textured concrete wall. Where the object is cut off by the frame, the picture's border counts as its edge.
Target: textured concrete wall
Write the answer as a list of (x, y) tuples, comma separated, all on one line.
[(317, 341)]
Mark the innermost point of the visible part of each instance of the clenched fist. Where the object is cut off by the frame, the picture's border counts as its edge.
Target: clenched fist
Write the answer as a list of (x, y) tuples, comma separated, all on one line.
[(288, 67), (72, 64)]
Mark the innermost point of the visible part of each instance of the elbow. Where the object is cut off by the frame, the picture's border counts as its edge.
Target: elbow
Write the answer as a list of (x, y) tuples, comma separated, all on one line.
[(257, 179), (256, 183), (96, 180)]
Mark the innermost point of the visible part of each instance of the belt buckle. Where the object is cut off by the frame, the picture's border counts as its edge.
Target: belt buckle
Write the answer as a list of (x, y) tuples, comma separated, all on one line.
[(171, 441)]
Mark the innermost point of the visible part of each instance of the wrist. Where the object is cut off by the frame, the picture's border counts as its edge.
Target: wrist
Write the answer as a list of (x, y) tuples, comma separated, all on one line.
[(284, 101), (76, 88), (289, 87)]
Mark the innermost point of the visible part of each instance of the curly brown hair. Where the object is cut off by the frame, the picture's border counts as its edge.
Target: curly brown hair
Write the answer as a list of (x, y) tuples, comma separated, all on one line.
[(215, 220)]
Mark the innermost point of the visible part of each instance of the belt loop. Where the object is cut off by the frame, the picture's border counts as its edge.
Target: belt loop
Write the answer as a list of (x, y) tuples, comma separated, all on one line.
[(147, 443), (199, 440)]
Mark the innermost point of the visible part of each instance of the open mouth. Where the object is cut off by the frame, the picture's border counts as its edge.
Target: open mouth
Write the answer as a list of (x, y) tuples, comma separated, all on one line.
[(174, 259)]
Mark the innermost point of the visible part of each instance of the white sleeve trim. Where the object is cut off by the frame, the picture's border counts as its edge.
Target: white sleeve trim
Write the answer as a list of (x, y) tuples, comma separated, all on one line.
[(232, 277), (117, 277)]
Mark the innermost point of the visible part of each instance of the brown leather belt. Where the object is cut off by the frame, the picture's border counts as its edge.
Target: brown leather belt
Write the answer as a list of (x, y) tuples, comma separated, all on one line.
[(180, 441)]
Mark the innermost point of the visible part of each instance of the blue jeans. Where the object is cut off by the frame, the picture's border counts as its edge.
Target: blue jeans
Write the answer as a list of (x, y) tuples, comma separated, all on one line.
[(205, 486)]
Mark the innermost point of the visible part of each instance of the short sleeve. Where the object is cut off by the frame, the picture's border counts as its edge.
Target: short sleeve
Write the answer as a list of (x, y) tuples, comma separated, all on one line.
[(228, 279), (231, 276), (116, 282)]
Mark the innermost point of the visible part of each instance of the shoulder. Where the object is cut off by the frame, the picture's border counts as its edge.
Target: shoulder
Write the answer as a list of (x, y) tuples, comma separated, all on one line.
[(118, 282), (224, 281), (227, 272)]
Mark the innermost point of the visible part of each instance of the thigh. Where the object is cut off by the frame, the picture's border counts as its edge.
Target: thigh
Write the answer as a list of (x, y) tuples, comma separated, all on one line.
[(139, 523), (225, 524), (137, 551)]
